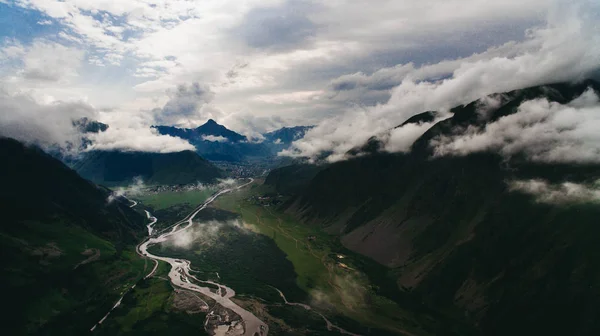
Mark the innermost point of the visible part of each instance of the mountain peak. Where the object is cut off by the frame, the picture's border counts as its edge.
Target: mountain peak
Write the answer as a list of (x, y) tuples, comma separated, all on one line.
[(211, 122)]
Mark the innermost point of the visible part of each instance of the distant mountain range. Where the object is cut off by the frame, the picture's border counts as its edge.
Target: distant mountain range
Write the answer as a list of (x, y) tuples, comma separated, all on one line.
[(217, 143), (118, 168), (65, 249), (452, 231), (287, 135)]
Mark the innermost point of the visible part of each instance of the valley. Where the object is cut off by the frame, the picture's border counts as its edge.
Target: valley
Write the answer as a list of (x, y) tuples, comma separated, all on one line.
[(299, 168), (256, 271)]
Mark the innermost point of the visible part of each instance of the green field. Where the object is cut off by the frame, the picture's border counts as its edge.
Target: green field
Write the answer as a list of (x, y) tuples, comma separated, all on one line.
[(49, 275), (148, 310), (269, 249), (332, 275), (167, 199)]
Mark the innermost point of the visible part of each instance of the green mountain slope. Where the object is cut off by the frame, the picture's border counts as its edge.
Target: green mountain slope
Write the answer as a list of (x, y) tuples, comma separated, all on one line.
[(116, 168), (66, 252), (458, 239)]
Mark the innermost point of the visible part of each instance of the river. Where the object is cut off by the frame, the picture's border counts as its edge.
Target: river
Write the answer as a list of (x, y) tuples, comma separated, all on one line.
[(180, 273), (181, 277)]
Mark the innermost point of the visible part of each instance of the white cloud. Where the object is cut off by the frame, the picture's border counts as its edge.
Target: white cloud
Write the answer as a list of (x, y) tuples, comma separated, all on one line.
[(566, 192), (400, 139), (542, 130), (46, 125), (214, 138), (285, 61), (140, 140), (205, 233), (561, 51), (41, 61)]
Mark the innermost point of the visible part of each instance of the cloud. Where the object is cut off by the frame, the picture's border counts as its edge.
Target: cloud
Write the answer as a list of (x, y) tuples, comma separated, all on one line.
[(137, 139), (187, 104), (41, 62), (50, 126), (566, 192), (259, 57), (49, 61), (252, 126), (544, 131), (559, 51), (46, 125), (284, 25), (214, 138), (400, 139), (134, 189), (205, 233)]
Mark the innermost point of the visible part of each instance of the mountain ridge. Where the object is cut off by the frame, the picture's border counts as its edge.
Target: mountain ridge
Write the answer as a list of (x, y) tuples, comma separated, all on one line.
[(117, 168), (216, 142), (54, 221), (457, 236)]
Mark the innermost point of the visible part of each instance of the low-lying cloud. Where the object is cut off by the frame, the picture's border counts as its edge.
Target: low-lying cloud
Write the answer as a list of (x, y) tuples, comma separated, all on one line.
[(137, 139), (566, 49), (45, 125), (214, 138), (542, 130), (566, 192), (136, 188), (205, 233), (400, 139)]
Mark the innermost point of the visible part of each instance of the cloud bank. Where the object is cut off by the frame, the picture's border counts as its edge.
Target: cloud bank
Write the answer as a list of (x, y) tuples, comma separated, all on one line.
[(139, 140), (566, 192), (559, 51), (45, 125), (357, 68), (544, 131)]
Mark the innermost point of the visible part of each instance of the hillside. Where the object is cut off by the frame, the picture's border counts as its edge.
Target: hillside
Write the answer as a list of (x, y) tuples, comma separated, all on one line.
[(117, 168), (66, 251), (457, 237)]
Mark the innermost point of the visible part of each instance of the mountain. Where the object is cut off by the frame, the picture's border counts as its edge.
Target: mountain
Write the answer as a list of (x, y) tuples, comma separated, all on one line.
[(210, 128), (66, 251), (287, 135), (118, 168), (86, 125), (454, 233), (217, 143)]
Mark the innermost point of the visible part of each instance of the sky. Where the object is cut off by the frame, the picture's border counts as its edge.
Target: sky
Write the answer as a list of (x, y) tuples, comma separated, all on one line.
[(353, 68)]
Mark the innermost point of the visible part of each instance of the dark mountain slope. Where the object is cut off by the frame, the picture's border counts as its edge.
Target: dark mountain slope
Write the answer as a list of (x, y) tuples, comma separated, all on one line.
[(209, 128), (459, 240), (65, 250), (292, 179), (287, 135), (117, 168)]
